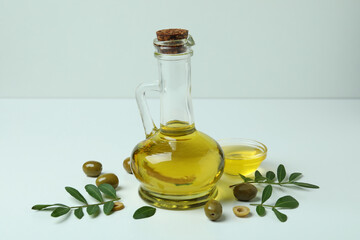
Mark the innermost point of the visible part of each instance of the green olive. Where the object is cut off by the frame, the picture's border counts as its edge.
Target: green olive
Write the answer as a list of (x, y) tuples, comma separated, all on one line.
[(245, 191), (126, 165), (213, 210), (109, 178), (92, 168)]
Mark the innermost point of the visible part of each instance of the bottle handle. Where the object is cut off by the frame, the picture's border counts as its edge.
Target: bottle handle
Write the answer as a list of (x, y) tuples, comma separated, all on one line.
[(149, 125)]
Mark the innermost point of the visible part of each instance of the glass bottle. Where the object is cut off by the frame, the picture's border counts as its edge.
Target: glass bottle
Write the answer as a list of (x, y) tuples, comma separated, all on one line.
[(178, 166)]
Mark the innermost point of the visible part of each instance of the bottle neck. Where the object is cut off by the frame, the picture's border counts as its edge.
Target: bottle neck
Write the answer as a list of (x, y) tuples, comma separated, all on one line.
[(175, 86)]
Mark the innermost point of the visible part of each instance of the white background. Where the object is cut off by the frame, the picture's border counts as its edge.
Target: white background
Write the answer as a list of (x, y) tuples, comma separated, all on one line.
[(258, 48)]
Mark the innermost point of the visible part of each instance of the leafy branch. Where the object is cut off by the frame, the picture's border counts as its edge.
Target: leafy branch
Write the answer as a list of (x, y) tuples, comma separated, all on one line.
[(284, 202), (270, 178), (59, 209)]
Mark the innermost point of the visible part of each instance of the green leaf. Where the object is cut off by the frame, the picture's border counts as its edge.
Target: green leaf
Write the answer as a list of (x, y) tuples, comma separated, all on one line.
[(249, 179), (59, 211), (108, 190), (287, 202), (294, 176), (282, 217), (76, 194), (305, 185), (92, 209), (144, 212), (43, 206), (281, 173), (266, 193), (243, 177), (258, 176), (270, 175), (40, 206), (260, 210), (108, 207), (93, 191), (79, 213)]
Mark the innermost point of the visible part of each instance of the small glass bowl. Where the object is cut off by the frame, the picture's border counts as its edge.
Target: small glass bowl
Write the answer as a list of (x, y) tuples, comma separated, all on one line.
[(242, 156)]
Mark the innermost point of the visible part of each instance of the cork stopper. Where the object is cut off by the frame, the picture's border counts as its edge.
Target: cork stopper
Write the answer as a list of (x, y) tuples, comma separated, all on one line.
[(173, 41), (172, 34)]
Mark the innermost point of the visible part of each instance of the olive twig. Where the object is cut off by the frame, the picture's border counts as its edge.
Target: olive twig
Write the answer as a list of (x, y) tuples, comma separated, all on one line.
[(270, 178), (245, 191), (300, 184), (59, 209), (98, 204)]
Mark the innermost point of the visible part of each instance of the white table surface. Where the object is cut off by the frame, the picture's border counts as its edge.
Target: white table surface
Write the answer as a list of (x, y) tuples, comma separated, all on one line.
[(43, 144)]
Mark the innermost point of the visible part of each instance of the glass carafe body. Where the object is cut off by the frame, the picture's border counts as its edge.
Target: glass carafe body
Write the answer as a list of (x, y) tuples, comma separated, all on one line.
[(177, 165)]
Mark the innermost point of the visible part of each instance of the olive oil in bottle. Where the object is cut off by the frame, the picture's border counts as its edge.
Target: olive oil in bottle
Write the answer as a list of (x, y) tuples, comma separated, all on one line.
[(178, 166), (178, 169)]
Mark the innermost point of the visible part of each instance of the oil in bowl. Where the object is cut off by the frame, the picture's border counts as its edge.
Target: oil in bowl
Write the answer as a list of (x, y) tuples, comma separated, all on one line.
[(242, 156)]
